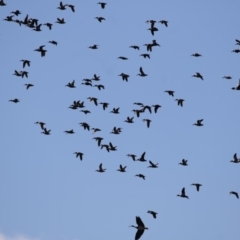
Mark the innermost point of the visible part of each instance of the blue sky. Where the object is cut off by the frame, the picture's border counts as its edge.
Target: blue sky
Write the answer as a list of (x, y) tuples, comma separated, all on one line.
[(47, 193)]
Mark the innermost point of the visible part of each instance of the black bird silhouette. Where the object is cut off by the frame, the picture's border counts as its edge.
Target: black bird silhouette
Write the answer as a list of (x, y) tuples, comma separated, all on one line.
[(103, 4), (46, 132), (227, 77), (101, 169), (53, 42), (152, 22), (184, 162), (28, 85), (137, 112), (156, 107), (99, 86), (72, 7), (69, 131), (41, 50), (2, 3), (148, 122), (85, 125), (140, 175), (100, 19), (15, 100), (145, 55), (236, 50), (153, 165), (93, 99), (140, 228), (115, 110), (121, 168), (94, 46), (198, 123), (124, 76), (149, 46), (98, 139), (96, 130), (49, 25), (123, 58), (129, 120), (133, 156), (18, 74), (42, 124), (198, 75), (142, 74), (85, 111), (135, 47), (17, 12), (96, 78), (9, 18), (104, 104), (180, 101), (24, 73), (196, 55), (171, 93), (38, 28), (25, 62), (154, 214), (197, 185), (60, 21), (235, 159), (79, 154), (234, 193), (144, 107), (111, 147), (164, 22), (71, 84), (142, 158), (116, 130), (183, 195), (152, 30), (62, 6), (106, 146)]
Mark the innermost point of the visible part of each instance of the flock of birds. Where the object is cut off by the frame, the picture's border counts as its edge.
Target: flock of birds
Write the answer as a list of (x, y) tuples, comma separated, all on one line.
[(77, 104)]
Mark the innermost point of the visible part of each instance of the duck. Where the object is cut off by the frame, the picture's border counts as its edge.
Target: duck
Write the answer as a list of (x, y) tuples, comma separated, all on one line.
[(95, 77), (46, 132), (180, 101), (85, 111), (152, 22), (100, 19), (102, 4), (170, 92), (60, 21), (38, 28), (227, 77), (199, 123), (154, 214), (197, 185), (123, 58), (104, 104), (148, 122), (235, 159), (116, 130), (152, 30), (124, 76), (85, 125), (142, 158), (153, 165), (238, 42), (129, 120), (236, 50), (93, 99), (53, 42), (9, 18), (96, 130), (18, 74), (144, 107), (156, 107), (115, 110), (17, 12), (234, 193), (196, 55), (184, 162), (111, 147), (100, 86), (198, 75), (93, 46), (154, 43), (15, 100), (145, 55), (49, 25), (121, 168), (25, 62), (149, 46), (42, 124), (101, 169), (141, 176), (62, 6), (79, 154), (2, 3), (72, 7), (141, 74), (183, 195), (28, 85), (135, 47), (69, 131), (140, 228), (164, 22), (24, 73), (98, 139), (133, 156), (43, 51), (71, 84), (106, 146)]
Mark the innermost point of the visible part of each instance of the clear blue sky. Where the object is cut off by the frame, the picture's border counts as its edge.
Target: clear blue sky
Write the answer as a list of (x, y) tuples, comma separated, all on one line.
[(46, 193)]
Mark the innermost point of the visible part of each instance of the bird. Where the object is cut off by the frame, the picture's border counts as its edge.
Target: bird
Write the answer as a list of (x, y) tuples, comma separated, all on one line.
[(100, 18), (85, 125), (238, 42), (164, 22), (15, 100), (144, 107), (2, 3), (149, 46), (46, 132), (69, 131), (170, 92), (198, 185), (227, 77), (234, 193), (145, 55), (85, 111), (100, 168), (111, 147), (140, 228), (141, 176), (79, 154), (180, 101), (116, 130), (135, 47), (49, 25), (93, 99), (104, 104), (71, 84), (38, 28), (24, 73), (25, 62), (196, 55), (235, 159), (18, 74), (95, 77), (148, 122), (133, 156), (142, 158), (121, 168), (152, 22), (106, 146), (99, 86), (124, 76), (154, 43), (152, 165), (183, 195), (152, 30), (17, 12), (60, 21), (129, 120), (154, 214), (98, 139), (142, 74), (236, 50), (115, 110), (43, 51), (102, 4), (96, 130), (9, 18), (237, 87), (28, 85), (93, 46), (156, 107), (184, 162), (42, 124), (199, 123), (198, 75), (53, 42), (72, 7), (62, 6), (123, 58)]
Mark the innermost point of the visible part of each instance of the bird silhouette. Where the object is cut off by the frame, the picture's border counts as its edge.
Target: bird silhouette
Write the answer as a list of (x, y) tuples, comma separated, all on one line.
[(198, 75), (234, 193), (101, 169), (170, 92), (25, 62), (79, 154), (53, 42), (197, 185), (142, 74), (124, 76), (100, 19), (102, 4), (183, 195), (121, 168), (196, 55), (180, 101), (15, 100), (140, 228), (141, 176), (148, 122), (28, 85), (153, 165), (154, 214), (164, 22), (199, 123), (133, 156), (184, 162)]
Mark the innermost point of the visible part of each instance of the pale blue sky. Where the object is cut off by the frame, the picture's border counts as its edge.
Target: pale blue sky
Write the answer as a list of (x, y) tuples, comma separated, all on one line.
[(48, 194)]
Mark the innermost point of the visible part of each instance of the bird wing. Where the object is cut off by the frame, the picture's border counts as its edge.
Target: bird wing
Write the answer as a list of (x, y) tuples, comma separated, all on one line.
[(141, 70), (183, 191), (100, 166), (143, 155), (110, 144), (139, 233), (139, 221), (151, 163), (235, 157)]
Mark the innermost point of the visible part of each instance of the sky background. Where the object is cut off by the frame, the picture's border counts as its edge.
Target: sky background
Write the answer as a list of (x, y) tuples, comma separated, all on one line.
[(46, 193)]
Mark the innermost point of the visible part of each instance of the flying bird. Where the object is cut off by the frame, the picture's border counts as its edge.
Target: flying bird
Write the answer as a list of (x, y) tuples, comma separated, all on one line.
[(102, 4), (153, 165), (180, 101), (79, 154), (199, 123), (170, 93), (121, 168), (141, 176), (198, 75), (154, 214), (148, 122), (197, 185), (196, 55), (183, 195), (234, 193), (25, 62), (140, 228), (164, 22), (184, 162), (28, 85), (14, 100), (100, 19), (142, 74), (101, 169)]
